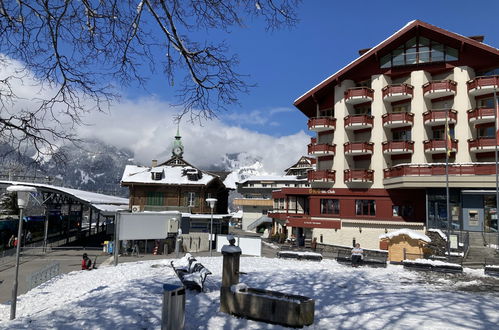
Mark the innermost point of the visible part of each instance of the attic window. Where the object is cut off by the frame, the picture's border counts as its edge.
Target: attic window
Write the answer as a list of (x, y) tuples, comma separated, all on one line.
[(193, 174), (156, 174), (419, 50)]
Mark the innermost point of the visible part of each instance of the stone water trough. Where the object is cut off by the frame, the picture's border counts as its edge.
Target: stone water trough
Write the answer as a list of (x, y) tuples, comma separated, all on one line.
[(257, 304)]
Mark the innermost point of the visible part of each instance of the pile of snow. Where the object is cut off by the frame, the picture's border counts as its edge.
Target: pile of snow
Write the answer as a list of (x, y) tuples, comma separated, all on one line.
[(129, 296), (404, 231), (238, 287), (431, 262), (438, 231)]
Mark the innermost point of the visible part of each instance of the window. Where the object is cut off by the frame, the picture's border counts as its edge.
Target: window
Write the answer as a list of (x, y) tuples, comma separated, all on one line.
[(402, 210), (330, 206), (326, 113), (486, 132), (401, 135), (439, 133), (363, 110), (486, 103), (365, 207), (154, 198), (264, 185), (191, 199), (400, 108), (419, 50)]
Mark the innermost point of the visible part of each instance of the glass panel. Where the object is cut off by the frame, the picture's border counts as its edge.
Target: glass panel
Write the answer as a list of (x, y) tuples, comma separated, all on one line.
[(386, 61), (424, 54), (451, 54), (398, 57), (411, 43), (437, 53), (424, 41), (410, 56), (372, 208)]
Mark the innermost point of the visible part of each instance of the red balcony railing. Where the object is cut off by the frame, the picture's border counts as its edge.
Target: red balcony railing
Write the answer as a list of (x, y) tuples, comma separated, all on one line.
[(323, 148), (322, 123), (398, 146), (358, 176), (430, 145), (480, 113), (359, 92), (439, 115), (359, 120), (321, 175), (438, 169), (404, 89), (487, 143), (358, 147), (439, 85), (483, 82), (398, 118)]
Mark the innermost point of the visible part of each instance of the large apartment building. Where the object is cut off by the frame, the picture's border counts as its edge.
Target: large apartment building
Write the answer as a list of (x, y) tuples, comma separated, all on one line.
[(381, 145)]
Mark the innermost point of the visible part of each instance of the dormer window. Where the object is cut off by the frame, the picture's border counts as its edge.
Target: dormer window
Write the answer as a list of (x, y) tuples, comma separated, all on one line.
[(156, 174)]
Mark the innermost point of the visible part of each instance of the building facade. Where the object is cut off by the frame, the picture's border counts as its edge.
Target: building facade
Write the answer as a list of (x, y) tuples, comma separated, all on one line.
[(386, 127)]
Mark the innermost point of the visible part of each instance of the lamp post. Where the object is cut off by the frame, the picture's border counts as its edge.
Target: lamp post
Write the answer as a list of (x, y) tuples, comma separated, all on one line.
[(23, 193), (211, 202)]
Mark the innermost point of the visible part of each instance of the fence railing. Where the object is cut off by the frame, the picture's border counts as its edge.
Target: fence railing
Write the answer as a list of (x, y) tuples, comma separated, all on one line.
[(43, 275)]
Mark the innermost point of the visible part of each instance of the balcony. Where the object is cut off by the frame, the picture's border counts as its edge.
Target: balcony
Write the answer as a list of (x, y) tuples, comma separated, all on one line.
[(328, 176), (358, 148), (356, 122), (483, 144), (398, 147), (399, 92), (483, 85), (439, 88), (438, 117), (321, 124), (321, 149), (362, 176), (481, 115), (439, 169), (394, 120), (438, 146), (359, 95)]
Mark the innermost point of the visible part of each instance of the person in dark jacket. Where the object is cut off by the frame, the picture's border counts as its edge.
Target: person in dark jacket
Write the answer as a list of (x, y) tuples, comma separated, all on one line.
[(86, 263)]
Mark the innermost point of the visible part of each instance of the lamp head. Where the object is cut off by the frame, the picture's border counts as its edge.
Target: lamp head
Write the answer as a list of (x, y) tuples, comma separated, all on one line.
[(23, 193), (211, 202)]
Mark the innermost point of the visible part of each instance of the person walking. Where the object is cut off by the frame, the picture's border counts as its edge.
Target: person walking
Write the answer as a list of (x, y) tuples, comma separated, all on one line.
[(357, 255)]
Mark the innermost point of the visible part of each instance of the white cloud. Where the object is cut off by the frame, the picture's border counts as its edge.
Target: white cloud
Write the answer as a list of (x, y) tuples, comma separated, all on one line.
[(147, 127)]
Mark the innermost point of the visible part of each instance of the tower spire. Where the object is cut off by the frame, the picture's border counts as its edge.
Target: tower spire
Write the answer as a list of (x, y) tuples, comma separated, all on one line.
[(178, 148)]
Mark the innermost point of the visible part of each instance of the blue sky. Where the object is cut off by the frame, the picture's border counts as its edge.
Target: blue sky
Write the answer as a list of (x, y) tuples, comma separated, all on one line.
[(286, 63)]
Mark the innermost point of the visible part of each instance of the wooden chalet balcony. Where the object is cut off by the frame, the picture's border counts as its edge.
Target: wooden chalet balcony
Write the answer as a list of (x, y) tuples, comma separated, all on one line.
[(321, 124), (321, 149), (363, 176), (359, 95), (483, 85), (437, 117), (481, 115), (439, 88), (438, 169), (358, 148), (394, 120), (355, 122), (398, 147), (328, 176), (393, 93), (483, 144), (438, 146)]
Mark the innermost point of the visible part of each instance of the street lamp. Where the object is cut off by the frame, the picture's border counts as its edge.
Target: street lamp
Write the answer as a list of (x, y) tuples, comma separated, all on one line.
[(211, 202), (23, 193)]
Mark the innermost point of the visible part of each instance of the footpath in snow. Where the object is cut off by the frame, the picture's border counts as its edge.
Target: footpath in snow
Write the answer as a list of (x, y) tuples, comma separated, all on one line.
[(129, 296)]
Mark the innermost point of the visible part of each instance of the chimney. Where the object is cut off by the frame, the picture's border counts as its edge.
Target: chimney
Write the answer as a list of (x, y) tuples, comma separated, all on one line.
[(477, 38), (154, 163)]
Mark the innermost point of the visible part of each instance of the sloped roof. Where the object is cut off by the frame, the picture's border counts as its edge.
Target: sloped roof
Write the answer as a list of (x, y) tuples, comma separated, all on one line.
[(389, 44), (173, 175)]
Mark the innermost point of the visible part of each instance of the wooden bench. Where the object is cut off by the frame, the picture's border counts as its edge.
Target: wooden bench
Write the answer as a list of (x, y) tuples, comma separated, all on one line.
[(378, 260), (300, 255), (191, 272)]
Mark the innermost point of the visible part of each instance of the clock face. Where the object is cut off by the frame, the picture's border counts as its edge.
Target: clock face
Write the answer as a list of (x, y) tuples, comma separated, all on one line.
[(177, 150)]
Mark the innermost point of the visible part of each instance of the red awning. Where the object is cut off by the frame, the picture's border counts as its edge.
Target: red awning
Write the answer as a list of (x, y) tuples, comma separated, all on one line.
[(309, 223)]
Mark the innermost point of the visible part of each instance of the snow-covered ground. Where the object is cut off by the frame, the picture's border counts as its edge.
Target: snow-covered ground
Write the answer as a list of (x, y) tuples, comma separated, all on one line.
[(129, 296)]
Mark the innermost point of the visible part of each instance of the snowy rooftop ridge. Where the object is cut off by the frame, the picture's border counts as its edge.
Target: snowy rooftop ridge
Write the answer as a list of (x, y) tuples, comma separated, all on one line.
[(404, 231), (174, 175)]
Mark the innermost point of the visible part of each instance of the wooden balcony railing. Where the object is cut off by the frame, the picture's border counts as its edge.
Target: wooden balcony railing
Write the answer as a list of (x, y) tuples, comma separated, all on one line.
[(397, 89), (399, 146), (439, 169), (439, 85), (322, 175), (439, 144), (358, 175), (483, 81), (402, 117), (482, 143), (477, 114), (360, 120), (322, 122), (322, 148), (358, 147), (359, 92), (434, 115)]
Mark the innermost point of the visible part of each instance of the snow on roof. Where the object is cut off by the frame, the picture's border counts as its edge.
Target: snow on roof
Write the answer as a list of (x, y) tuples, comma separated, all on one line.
[(110, 208), (85, 196), (404, 231), (173, 175), (264, 178), (438, 231), (231, 180)]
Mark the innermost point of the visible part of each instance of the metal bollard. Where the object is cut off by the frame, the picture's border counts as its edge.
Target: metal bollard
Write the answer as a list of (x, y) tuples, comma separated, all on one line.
[(173, 315)]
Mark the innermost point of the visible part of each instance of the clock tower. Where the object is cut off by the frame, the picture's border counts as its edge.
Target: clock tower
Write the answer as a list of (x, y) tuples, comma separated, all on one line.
[(177, 148)]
